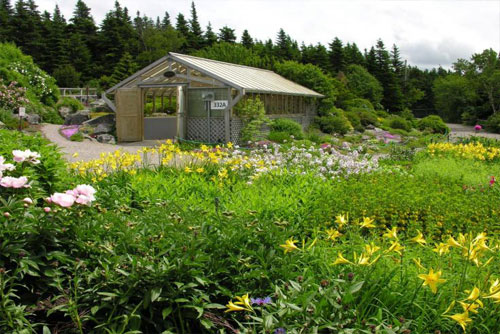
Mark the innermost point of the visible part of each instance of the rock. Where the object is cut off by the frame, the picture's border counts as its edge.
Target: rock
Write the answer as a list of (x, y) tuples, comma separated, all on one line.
[(106, 119), (106, 139), (33, 118), (2, 125), (64, 112), (77, 118), (370, 127), (98, 103), (103, 128)]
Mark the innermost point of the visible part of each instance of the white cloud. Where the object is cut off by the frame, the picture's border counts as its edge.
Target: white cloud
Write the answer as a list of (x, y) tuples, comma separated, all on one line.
[(429, 33)]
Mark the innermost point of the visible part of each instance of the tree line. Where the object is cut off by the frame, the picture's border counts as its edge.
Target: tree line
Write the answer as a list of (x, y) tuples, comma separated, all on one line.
[(80, 52)]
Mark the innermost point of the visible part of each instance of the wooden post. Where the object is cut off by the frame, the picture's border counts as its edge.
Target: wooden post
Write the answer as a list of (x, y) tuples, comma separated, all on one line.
[(162, 105), (227, 118)]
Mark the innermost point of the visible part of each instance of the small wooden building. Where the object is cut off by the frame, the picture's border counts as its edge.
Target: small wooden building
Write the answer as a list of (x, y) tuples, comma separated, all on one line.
[(199, 95)]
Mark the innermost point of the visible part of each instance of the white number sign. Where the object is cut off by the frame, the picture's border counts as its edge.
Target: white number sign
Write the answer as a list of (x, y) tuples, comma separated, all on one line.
[(219, 105)]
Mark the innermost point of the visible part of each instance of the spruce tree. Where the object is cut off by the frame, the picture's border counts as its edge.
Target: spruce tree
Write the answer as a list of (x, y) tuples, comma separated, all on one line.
[(28, 25), (125, 67), (83, 26), (246, 39), (337, 57), (57, 41), (353, 55), (6, 13), (227, 35), (195, 39), (397, 64), (210, 36), (182, 27), (165, 22), (393, 98)]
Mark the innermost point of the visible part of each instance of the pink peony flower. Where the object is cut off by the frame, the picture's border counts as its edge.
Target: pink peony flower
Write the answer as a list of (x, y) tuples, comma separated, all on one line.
[(14, 182), (28, 200), (64, 200), (47, 209), (478, 127), (28, 155), (6, 214), (4, 166), (84, 194)]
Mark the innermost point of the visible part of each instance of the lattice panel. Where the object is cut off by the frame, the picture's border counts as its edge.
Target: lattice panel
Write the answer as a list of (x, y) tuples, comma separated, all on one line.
[(198, 129), (236, 126)]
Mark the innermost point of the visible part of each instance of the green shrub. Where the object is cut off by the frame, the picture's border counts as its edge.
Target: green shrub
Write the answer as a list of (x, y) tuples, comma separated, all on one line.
[(77, 137), (468, 118), (382, 113), (366, 117), (71, 103), (10, 121), (287, 126), (50, 115), (355, 120), (434, 124), (407, 114), (493, 123), (334, 124), (397, 122), (279, 136), (67, 76), (253, 114), (315, 136), (358, 103)]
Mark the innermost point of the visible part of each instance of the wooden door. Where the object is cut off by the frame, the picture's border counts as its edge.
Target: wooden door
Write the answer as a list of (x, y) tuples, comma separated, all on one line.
[(129, 114)]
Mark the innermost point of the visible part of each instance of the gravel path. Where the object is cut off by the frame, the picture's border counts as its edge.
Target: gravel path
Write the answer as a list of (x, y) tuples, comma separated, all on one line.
[(459, 130), (88, 150)]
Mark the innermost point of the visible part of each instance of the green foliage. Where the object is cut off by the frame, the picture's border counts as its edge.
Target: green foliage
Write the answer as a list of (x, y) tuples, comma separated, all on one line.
[(77, 137), (397, 122), (71, 103), (10, 121), (434, 124), (288, 126), (355, 120), (67, 76), (234, 53), (15, 66), (334, 124), (493, 123), (358, 103), (279, 137), (253, 114), (311, 77), (453, 94), (363, 85)]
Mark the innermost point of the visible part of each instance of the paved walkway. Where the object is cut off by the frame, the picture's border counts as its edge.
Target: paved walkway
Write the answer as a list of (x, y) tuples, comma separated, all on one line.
[(459, 130), (88, 150)]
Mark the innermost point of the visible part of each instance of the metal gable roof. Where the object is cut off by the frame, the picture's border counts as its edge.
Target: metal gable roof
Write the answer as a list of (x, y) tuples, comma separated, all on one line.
[(250, 79)]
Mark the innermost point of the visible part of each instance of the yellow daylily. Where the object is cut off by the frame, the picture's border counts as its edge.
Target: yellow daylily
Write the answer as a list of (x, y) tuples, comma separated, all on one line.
[(432, 279), (392, 233), (232, 307), (494, 291), (244, 301), (474, 296), (395, 247), (371, 249), (342, 220), (442, 248), (367, 223), (462, 319), (419, 263), (289, 245), (453, 243), (419, 239), (341, 259), (472, 307), (187, 170), (333, 234), (229, 145)]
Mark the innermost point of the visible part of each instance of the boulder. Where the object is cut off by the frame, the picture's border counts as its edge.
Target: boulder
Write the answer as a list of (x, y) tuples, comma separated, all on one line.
[(103, 128), (106, 139), (77, 118), (33, 118), (98, 103), (106, 119), (64, 111)]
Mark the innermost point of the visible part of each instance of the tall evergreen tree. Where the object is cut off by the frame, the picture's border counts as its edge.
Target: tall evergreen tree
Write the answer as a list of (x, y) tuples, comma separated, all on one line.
[(397, 64), (116, 37), (165, 22), (210, 36), (182, 27), (353, 55), (123, 69), (337, 57), (226, 34), (195, 40), (286, 49), (6, 13), (28, 25), (57, 40), (246, 39)]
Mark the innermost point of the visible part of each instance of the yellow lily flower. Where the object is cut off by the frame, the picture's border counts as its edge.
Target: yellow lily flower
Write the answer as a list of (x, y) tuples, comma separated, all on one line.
[(462, 319), (342, 220), (419, 239), (419, 264), (472, 307), (244, 301), (442, 248), (290, 245), (188, 170), (474, 296), (392, 233), (494, 291), (432, 279), (364, 260), (371, 249), (453, 243), (367, 223), (232, 307), (229, 145), (333, 234), (395, 247), (341, 260)]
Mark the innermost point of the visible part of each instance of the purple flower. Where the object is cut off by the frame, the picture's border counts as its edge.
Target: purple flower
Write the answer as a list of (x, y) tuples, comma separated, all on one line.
[(280, 330), (478, 127), (261, 301)]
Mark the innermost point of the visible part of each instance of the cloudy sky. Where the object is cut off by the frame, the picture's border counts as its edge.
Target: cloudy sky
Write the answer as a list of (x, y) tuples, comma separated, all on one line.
[(429, 33)]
